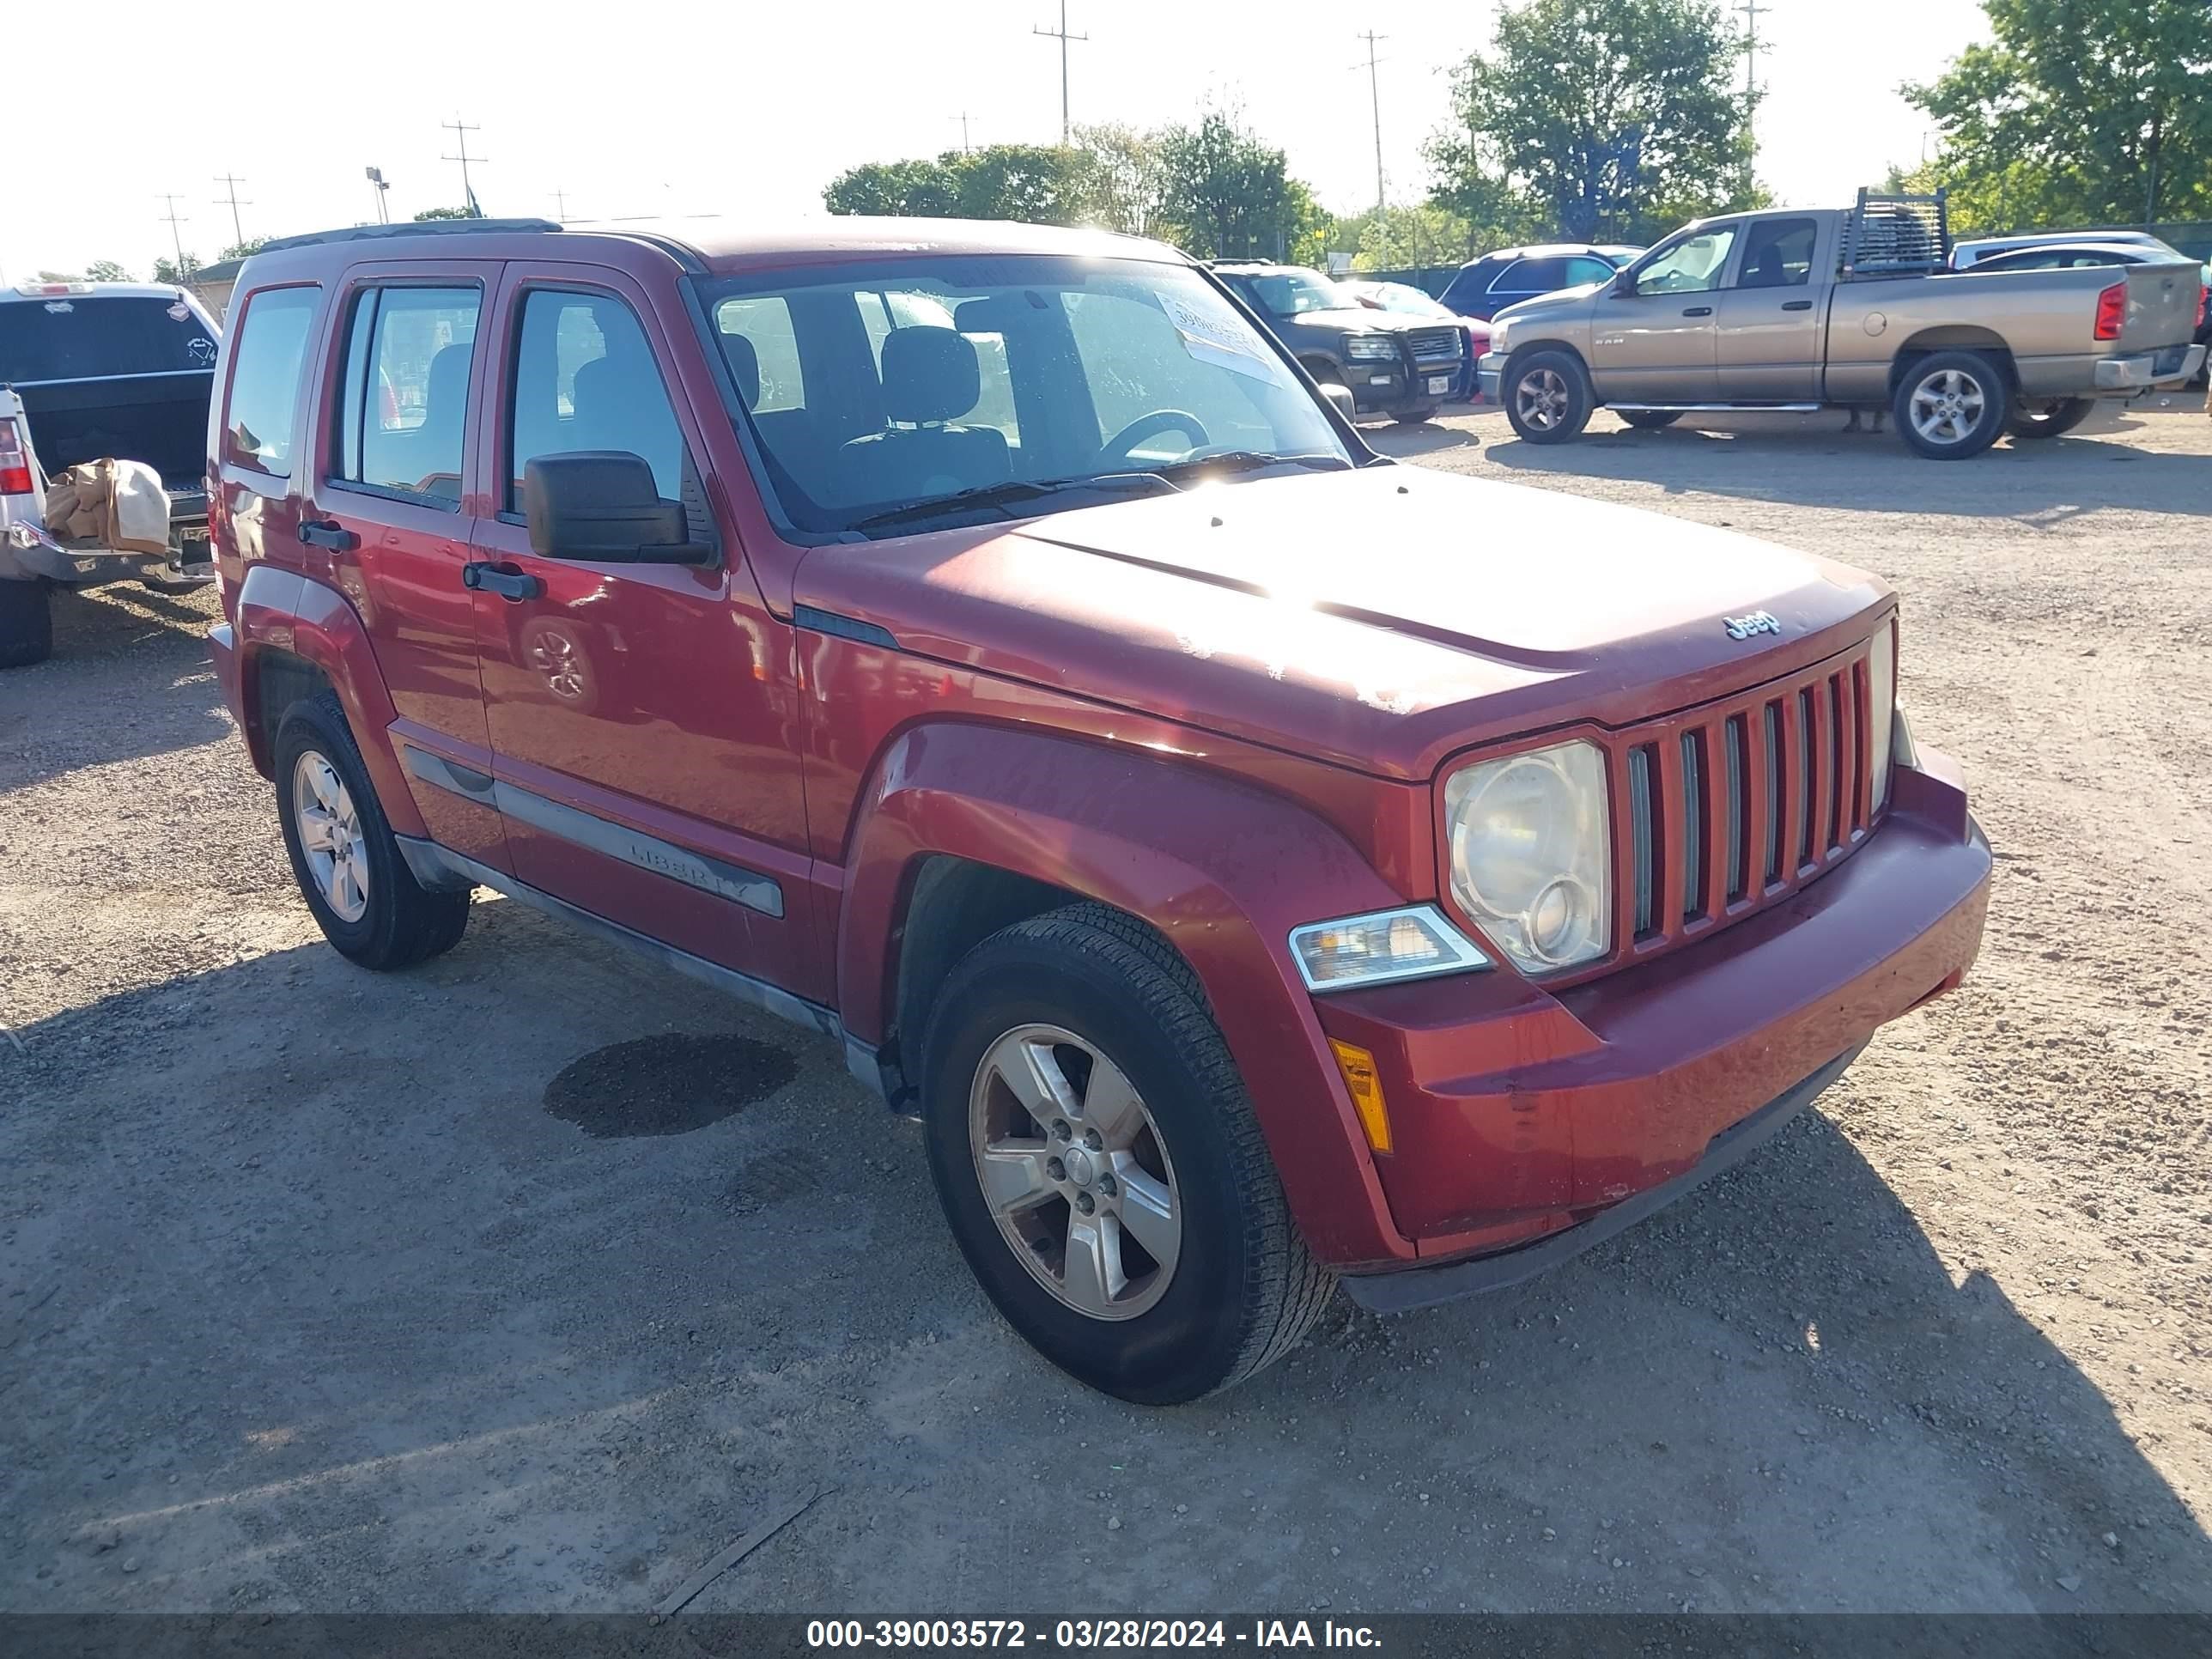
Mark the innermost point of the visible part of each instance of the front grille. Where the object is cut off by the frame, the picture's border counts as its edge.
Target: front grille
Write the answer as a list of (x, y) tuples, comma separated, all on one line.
[(1730, 806), (1434, 345)]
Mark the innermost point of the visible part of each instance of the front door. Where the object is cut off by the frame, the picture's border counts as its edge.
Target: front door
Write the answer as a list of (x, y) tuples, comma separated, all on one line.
[(642, 715), (1656, 344), (1769, 328), (385, 524)]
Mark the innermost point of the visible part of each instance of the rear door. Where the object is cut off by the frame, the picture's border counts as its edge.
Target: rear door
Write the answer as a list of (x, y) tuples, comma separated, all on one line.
[(386, 522), (1656, 345), (1768, 322), (643, 716)]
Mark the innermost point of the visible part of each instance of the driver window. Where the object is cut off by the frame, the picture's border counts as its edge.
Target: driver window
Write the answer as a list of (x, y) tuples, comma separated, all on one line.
[(1692, 265)]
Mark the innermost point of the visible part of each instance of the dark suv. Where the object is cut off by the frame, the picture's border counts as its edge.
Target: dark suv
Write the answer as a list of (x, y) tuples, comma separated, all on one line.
[(1486, 286), (1399, 366)]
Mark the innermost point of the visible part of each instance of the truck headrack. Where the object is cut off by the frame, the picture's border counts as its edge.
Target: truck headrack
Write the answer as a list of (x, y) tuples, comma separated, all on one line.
[(1897, 235)]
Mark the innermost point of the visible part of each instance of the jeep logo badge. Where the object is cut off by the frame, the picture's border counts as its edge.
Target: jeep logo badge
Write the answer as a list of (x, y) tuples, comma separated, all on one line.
[(1759, 622)]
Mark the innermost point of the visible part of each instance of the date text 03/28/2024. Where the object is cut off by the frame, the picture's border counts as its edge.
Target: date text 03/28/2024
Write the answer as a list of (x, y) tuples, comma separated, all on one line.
[(1260, 1635)]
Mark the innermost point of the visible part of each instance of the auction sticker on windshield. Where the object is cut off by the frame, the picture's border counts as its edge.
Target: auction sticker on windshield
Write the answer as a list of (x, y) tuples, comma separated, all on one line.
[(1222, 344)]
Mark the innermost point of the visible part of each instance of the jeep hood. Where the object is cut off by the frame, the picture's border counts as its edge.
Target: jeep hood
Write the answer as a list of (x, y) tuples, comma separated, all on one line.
[(1377, 619)]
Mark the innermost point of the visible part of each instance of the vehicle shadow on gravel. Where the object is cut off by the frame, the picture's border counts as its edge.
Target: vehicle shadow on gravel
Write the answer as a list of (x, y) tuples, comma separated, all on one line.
[(1813, 465), (317, 1304), (50, 722)]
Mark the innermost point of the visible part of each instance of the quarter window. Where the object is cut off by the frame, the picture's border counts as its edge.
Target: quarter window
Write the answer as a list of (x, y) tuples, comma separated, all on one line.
[(271, 345), (409, 352), (585, 378)]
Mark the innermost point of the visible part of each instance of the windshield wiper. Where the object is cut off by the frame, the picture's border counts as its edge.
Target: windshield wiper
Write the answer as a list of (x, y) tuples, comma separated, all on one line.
[(1251, 460), (1012, 493)]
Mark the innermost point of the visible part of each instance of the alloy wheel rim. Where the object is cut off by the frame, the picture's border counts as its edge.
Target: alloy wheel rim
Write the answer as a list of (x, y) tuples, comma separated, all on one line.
[(1541, 398), (329, 836), (1075, 1172), (1947, 406)]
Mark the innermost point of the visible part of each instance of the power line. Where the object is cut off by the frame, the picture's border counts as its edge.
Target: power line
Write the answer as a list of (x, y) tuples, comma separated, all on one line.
[(176, 239), (1061, 35), (1375, 91), (237, 233), (461, 129)]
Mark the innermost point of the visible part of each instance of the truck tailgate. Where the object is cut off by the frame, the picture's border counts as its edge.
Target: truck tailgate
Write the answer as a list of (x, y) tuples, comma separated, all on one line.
[(2161, 305)]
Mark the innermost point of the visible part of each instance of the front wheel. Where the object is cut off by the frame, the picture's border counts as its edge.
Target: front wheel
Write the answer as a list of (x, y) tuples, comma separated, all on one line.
[(344, 854), (1100, 1166), (1547, 397), (1951, 405), (2048, 417)]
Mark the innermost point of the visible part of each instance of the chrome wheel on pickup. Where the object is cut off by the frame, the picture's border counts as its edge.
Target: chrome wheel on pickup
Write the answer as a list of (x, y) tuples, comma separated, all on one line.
[(1547, 397), (330, 836), (1100, 1164), (1951, 404)]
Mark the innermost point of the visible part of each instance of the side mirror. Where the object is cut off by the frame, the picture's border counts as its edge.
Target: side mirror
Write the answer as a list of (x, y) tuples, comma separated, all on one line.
[(1623, 286), (1339, 398), (601, 504)]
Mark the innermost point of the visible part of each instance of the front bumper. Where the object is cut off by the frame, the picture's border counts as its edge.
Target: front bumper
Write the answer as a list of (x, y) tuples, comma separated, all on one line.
[(1521, 1115), (1402, 387), (1490, 377), (2169, 365)]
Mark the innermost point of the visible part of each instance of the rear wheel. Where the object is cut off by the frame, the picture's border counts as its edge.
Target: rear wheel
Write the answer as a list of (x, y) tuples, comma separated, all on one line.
[(1547, 397), (27, 623), (1951, 404), (2047, 417), (1100, 1166), (344, 854), (1649, 420)]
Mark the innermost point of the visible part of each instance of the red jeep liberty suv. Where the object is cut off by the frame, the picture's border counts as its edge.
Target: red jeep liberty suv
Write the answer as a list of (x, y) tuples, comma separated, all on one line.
[(1261, 865)]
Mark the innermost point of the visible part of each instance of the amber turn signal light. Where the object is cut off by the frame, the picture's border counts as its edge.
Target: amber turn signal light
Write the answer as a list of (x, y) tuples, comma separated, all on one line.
[(1358, 1068)]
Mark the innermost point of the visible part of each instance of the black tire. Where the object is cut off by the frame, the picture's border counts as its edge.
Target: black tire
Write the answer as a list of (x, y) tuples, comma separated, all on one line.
[(27, 623), (2048, 419), (402, 922), (1243, 1289), (1417, 416), (1649, 420), (1545, 421), (1978, 382)]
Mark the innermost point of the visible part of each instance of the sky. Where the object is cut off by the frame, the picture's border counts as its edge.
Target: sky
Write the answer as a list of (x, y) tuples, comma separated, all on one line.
[(658, 107)]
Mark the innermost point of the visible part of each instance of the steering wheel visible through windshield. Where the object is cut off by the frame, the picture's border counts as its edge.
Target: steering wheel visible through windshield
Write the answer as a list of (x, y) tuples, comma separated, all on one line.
[(904, 392)]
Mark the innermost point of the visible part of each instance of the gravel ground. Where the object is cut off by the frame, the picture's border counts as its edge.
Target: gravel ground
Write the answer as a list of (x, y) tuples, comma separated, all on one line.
[(325, 1291)]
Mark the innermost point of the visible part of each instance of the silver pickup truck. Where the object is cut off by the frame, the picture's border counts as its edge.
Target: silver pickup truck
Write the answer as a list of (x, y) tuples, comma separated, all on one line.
[(1854, 307)]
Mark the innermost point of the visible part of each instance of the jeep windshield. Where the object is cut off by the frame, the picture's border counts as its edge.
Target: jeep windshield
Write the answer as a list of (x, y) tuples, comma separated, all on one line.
[(890, 396)]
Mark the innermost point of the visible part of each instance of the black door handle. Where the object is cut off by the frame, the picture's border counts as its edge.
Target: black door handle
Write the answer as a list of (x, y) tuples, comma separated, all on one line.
[(508, 584), (1796, 305), (1696, 311), (328, 532)]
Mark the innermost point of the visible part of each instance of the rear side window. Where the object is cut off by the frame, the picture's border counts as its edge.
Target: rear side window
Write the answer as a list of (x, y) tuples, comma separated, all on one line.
[(1582, 270), (267, 352), (585, 378), (1778, 253), (408, 355), (1533, 277)]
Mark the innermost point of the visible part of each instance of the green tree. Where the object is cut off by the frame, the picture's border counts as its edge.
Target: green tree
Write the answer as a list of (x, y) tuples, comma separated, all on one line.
[(923, 189), (2080, 110), (168, 271), (106, 270), (1229, 194), (445, 213), (247, 249), (1124, 178), (1612, 119), (1036, 184), (56, 276)]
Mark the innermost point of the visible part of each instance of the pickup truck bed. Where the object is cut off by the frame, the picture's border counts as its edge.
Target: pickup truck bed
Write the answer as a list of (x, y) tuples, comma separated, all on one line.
[(160, 419)]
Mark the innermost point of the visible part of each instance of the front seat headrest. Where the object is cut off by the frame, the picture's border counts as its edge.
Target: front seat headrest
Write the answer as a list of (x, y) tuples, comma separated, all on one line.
[(930, 374)]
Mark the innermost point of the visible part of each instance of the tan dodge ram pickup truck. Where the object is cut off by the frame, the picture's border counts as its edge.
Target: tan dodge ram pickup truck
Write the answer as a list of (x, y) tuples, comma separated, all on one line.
[(1802, 309)]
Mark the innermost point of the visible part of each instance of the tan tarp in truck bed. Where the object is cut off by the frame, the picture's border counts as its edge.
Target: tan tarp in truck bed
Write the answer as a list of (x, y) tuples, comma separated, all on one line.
[(110, 503)]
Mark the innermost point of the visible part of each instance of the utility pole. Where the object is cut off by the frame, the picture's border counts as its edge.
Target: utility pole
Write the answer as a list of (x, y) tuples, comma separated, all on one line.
[(176, 241), (1751, 9), (376, 178), (237, 233), (1061, 35), (966, 148), (1375, 92), (461, 129), (560, 205)]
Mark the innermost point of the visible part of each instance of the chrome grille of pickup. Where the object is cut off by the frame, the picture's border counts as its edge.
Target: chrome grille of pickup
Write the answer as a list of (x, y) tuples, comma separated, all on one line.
[(1434, 345), (1730, 806)]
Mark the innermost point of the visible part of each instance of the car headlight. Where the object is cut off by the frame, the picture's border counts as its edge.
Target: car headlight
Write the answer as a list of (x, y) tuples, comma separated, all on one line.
[(1882, 705), (1414, 943), (1498, 333), (1370, 348), (1531, 853)]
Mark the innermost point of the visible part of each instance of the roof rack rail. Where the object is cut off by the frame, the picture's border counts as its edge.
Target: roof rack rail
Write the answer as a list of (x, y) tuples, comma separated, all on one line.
[(411, 228)]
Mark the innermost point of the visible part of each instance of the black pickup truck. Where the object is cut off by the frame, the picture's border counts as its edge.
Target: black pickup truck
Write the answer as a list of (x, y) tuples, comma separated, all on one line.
[(90, 371), (1393, 364)]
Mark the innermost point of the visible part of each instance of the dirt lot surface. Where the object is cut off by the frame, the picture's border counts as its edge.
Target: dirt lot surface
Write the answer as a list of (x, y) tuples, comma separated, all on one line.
[(321, 1290)]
